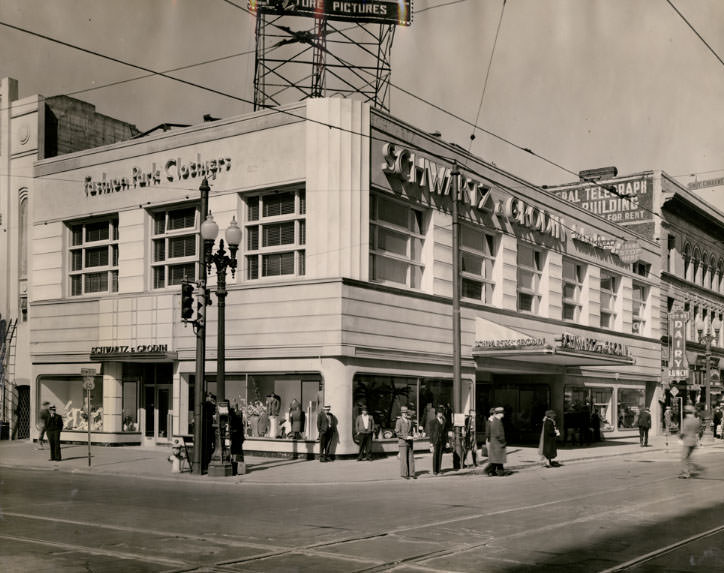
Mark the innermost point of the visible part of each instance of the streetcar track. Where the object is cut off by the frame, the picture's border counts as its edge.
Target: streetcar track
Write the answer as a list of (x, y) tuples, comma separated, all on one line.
[(317, 549), (95, 551), (662, 551)]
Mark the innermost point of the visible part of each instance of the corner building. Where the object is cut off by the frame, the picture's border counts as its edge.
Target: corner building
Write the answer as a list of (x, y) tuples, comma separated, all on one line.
[(343, 293)]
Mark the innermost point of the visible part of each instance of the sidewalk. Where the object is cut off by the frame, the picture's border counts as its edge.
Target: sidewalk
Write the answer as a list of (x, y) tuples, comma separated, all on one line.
[(152, 463)]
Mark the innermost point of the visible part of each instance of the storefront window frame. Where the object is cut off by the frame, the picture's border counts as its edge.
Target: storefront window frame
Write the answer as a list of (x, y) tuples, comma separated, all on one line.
[(163, 234), (83, 247)]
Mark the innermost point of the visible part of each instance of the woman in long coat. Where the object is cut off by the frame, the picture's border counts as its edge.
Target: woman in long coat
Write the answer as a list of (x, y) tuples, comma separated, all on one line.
[(496, 448), (548, 447)]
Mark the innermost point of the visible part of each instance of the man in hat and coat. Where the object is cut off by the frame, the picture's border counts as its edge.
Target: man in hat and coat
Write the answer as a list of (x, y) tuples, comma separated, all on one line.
[(403, 431), (53, 429), (437, 431), (496, 450), (644, 425), (326, 425)]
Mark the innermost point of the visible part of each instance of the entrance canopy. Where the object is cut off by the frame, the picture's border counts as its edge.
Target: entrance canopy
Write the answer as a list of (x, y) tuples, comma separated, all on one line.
[(494, 340)]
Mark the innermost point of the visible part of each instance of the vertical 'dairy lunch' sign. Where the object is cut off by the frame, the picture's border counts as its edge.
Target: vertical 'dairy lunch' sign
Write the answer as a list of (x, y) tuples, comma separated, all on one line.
[(678, 365)]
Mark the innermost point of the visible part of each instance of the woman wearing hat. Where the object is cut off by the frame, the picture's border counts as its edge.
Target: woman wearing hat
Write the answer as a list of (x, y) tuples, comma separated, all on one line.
[(548, 448)]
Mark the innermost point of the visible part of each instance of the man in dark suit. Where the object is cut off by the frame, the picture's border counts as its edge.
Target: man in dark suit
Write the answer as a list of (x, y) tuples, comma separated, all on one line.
[(644, 425), (53, 429), (326, 425), (438, 435), (364, 426)]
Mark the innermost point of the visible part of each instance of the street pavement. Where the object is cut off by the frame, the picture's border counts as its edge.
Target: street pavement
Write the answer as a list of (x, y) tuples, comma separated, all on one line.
[(153, 463)]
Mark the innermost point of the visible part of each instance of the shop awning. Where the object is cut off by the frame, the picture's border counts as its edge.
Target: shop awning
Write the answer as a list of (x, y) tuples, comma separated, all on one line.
[(566, 349)]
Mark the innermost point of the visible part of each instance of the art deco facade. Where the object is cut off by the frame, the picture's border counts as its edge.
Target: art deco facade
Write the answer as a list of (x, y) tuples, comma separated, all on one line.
[(343, 294)]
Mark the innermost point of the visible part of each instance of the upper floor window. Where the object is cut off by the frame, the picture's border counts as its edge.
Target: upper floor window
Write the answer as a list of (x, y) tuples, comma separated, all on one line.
[(477, 257), (175, 244), (641, 268), (573, 275), (609, 292), (638, 319), (94, 256), (397, 235), (276, 234), (530, 272)]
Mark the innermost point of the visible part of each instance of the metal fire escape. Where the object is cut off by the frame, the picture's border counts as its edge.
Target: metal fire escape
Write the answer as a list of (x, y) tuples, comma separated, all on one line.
[(7, 374), (299, 58)]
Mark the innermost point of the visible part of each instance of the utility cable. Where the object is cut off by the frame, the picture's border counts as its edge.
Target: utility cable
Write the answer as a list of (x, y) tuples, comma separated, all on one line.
[(487, 74), (695, 31)]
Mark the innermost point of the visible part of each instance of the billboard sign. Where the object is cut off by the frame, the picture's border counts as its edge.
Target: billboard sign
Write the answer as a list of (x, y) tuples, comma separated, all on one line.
[(678, 364), (623, 202), (373, 11)]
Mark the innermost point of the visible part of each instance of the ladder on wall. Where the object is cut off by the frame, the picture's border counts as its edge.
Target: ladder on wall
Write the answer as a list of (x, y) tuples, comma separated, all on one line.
[(7, 367)]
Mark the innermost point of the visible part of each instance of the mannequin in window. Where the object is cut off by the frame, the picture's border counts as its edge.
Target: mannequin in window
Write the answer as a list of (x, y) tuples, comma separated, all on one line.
[(273, 404), (296, 419)]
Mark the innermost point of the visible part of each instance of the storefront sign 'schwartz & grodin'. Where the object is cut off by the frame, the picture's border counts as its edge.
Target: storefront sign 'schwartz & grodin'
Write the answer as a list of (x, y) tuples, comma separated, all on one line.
[(140, 349), (509, 344), (412, 170), (174, 169), (587, 344)]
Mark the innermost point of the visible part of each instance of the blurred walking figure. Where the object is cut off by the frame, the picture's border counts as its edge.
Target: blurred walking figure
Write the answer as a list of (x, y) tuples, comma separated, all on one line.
[(548, 448), (644, 425), (667, 424), (689, 437), (44, 415)]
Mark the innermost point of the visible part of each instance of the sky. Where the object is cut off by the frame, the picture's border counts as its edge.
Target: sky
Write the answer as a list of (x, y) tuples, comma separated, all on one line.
[(582, 83)]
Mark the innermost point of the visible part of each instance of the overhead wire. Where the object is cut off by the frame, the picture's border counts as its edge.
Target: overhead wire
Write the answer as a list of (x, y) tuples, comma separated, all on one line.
[(301, 117), (487, 74)]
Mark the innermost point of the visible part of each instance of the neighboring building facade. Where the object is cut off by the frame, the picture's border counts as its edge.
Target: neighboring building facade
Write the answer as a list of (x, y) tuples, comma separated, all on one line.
[(690, 233), (31, 128), (343, 294)]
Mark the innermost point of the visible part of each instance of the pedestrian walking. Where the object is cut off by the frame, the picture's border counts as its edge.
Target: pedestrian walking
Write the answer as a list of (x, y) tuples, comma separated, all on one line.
[(364, 426), (44, 415), (53, 429), (490, 469), (326, 426), (717, 421), (437, 431), (644, 424), (548, 446), (496, 451), (403, 431), (689, 438), (699, 415), (667, 424), (470, 442)]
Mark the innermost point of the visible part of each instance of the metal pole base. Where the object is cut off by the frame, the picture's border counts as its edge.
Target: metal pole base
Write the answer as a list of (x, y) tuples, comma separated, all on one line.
[(219, 469)]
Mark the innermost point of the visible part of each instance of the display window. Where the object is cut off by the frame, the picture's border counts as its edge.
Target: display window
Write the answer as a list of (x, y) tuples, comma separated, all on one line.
[(273, 406), (630, 403), (384, 397), (580, 402), (69, 398)]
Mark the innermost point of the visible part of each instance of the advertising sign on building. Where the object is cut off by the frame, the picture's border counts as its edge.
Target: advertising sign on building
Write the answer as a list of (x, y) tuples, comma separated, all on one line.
[(383, 11), (678, 364), (622, 201)]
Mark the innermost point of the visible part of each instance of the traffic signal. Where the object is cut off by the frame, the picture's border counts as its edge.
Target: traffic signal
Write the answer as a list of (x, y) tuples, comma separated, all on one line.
[(187, 300)]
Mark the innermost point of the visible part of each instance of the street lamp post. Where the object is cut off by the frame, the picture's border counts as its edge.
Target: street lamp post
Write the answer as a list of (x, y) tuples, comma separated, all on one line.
[(198, 455), (220, 464), (707, 338)]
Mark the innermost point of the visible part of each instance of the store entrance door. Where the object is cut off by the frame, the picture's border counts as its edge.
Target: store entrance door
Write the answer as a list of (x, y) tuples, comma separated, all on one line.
[(156, 408)]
